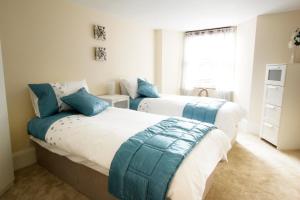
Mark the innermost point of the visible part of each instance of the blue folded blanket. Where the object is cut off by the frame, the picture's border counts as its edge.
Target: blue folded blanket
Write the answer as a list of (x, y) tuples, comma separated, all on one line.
[(134, 103), (145, 164), (202, 111), (205, 112)]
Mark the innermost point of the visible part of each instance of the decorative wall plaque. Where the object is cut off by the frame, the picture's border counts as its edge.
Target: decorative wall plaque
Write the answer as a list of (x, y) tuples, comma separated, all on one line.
[(100, 53), (99, 32)]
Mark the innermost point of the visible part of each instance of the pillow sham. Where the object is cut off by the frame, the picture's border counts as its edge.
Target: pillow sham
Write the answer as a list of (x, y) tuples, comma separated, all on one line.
[(43, 99), (67, 88), (42, 95), (85, 103), (131, 87), (123, 89), (147, 89)]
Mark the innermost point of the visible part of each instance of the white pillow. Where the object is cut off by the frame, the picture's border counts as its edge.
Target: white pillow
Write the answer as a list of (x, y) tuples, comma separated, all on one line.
[(65, 89), (131, 86), (35, 102), (123, 88)]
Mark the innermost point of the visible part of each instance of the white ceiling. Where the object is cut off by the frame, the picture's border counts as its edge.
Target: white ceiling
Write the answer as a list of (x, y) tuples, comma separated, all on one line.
[(190, 14)]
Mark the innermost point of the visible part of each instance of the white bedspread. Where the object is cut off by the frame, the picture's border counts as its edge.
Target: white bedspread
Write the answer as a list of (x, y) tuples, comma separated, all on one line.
[(98, 138), (227, 118)]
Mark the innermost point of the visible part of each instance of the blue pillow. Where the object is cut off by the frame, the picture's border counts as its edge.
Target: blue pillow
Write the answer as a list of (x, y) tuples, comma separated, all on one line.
[(43, 99), (147, 89), (85, 103)]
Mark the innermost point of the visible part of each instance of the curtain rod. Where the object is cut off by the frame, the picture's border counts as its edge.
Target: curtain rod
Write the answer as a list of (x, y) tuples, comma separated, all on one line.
[(210, 29)]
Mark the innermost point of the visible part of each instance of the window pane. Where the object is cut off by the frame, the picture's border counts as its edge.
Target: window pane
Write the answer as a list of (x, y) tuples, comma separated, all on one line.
[(209, 60)]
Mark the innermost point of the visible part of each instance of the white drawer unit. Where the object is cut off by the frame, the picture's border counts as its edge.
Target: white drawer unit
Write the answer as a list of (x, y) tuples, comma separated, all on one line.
[(269, 132), (274, 94), (122, 104), (272, 114), (118, 101), (275, 74), (280, 123)]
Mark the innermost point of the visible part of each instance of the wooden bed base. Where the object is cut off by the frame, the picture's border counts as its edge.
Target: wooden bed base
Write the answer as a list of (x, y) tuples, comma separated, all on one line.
[(89, 182)]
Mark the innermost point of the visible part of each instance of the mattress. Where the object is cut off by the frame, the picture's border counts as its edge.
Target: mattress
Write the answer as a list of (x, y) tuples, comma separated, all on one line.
[(227, 119), (93, 142), (70, 156)]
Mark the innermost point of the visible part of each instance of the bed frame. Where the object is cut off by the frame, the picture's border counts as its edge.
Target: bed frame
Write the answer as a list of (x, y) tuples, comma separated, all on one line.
[(89, 182)]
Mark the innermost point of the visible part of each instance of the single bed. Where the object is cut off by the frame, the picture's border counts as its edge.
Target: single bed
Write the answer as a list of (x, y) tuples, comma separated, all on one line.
[(87, 145), (227, 114)]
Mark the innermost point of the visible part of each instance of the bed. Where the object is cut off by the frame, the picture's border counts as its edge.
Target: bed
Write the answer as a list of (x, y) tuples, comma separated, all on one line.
[(81, 149), (227, 114)]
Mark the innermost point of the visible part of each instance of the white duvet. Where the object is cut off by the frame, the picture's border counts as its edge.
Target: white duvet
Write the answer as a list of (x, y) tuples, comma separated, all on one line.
[(97, 139), (227, 118)]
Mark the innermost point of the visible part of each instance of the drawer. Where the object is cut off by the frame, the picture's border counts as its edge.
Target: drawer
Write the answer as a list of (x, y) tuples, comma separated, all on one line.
[(272, 114), (274, 95), (269, 132)]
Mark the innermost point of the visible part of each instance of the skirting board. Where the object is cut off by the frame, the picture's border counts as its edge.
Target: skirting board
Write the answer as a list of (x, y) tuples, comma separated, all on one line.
[(246, 126), (24, 158)]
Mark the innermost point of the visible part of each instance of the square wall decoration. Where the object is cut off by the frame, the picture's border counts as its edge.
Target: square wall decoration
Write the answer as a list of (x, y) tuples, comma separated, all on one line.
[(100, 53), (99, 32)]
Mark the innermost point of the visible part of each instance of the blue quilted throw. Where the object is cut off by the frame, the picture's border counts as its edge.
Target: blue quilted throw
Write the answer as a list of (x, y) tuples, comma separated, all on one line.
[(144, 165), (205, 112)]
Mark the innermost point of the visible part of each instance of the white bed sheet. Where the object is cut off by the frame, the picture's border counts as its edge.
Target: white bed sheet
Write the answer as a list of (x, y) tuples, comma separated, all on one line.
[(227, 119), (93, 141)]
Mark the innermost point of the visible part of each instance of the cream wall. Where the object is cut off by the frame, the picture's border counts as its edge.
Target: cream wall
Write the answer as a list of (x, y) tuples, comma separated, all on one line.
[(245, 44), (172, 61), (273, 33), (158, 35), (169, 51), (52, 40)]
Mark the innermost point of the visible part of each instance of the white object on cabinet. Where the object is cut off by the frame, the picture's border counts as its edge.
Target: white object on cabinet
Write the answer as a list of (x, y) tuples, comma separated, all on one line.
[(6, 166), (281, 106), (118, 101)]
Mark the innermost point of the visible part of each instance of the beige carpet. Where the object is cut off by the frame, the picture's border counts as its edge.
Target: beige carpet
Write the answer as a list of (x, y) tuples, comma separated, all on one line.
[(255, 171)]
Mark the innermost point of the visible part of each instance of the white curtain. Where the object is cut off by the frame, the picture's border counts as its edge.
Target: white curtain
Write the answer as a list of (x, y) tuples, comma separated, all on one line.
[(209, 59)]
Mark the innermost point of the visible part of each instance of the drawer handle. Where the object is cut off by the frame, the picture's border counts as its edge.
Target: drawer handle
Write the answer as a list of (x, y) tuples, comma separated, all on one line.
[(271, 107), (273, 87), (268, 125)]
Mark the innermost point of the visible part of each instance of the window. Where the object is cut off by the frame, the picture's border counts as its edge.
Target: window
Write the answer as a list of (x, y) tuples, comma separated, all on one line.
[(209, 59)]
